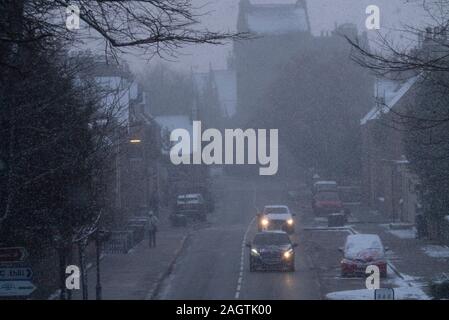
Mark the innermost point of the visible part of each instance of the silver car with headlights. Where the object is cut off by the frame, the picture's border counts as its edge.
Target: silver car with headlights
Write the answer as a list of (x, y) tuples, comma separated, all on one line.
[(276, 217)]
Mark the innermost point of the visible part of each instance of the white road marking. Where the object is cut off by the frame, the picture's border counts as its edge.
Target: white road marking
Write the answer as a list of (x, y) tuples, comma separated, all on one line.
[(242, 257), (242, 260)]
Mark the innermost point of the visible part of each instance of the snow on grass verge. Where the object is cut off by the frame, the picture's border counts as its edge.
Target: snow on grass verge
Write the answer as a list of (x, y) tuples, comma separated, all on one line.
[(436, 251), (402, 293), (409, 233), (405, 288)]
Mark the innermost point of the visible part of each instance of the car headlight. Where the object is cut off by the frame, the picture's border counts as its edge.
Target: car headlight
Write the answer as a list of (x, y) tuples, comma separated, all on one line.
[(290, 222), (288, 254), (254, 252), (265, 222)]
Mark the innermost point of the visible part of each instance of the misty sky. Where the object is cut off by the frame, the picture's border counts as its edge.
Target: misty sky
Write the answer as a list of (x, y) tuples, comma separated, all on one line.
[(323, 15)]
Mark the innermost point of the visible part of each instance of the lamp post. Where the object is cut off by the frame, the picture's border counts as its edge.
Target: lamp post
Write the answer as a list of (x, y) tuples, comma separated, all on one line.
[(101, 236)]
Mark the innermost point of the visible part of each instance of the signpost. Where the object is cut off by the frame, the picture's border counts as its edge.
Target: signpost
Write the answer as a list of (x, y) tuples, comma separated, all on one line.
[(13, 254), (15, 274), (16, 288), (384, 294)]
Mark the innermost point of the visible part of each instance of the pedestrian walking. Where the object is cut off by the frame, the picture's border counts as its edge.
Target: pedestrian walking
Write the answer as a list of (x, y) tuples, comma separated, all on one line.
[(152, 229)]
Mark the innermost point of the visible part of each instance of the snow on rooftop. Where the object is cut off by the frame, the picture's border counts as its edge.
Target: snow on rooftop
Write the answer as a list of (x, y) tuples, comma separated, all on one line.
[(118, 95), (170, 123), (277, 18), (391, 92)]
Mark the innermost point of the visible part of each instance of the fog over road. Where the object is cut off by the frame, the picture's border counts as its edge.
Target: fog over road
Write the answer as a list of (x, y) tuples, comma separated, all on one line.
[(210, 267)]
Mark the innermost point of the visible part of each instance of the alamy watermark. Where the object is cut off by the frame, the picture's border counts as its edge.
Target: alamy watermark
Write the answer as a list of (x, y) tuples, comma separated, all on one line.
[(72, 21), (237, 143), (372, 22), (372, 281), (72, 282)]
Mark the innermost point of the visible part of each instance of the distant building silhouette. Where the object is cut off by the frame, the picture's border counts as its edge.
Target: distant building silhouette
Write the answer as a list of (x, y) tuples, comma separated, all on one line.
[(281, 32)]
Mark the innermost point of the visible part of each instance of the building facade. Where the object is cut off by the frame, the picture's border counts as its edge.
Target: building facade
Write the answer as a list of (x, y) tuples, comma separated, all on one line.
[(280, 32), (388, 185)]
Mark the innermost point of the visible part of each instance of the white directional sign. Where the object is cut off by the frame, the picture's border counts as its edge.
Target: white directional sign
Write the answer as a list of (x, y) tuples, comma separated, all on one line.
[(384, 294), (15, 273), (16, 288)]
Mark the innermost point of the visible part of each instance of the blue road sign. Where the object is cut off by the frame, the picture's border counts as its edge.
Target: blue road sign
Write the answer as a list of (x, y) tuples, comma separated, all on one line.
[(15, 273)]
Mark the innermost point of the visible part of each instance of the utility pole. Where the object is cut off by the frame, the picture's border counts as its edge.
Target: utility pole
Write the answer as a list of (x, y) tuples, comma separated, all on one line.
[(81, 249), (98, 245), (101, 237)]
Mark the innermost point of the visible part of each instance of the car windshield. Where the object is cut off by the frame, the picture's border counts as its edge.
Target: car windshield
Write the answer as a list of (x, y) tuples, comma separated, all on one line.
[(326, 185), (265, 239), (274, 210), (362, 246), (328, 196)]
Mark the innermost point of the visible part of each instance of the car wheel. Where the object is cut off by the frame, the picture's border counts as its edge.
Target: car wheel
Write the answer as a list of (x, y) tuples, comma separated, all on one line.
[(251, 267)]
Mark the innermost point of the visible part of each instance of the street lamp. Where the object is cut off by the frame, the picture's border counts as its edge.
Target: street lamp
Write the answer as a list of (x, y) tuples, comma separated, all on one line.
[(135, 141)]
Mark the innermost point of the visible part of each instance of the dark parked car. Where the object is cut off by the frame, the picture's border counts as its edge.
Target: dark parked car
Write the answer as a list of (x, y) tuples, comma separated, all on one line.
[(191, 206), (272, 250), (323, 186), (360, 251), (326, 202)]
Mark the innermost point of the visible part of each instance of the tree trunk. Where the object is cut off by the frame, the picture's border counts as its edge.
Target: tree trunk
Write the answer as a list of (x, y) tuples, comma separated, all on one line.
[(62, 266)]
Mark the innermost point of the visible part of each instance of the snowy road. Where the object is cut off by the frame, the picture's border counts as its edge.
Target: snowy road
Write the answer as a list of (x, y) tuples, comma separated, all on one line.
[(215, 263)]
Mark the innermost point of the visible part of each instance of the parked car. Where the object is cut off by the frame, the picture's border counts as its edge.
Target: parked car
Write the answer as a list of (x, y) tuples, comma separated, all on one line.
[(322, 185), (326, 202), (191, 206), (272, 250), (209, 199), (277, 217), (360, 251)]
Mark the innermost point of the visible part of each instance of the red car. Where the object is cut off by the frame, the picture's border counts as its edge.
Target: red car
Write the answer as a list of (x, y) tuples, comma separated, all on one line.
[(326, 202), (361, 251)]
